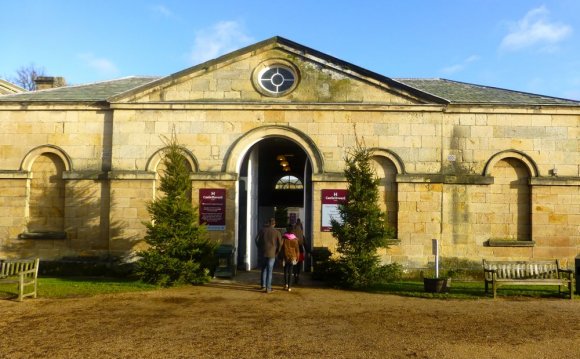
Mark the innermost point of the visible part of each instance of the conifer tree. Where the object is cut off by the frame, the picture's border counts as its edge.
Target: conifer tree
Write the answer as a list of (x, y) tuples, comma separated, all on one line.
[(362, 228), (179, 248)]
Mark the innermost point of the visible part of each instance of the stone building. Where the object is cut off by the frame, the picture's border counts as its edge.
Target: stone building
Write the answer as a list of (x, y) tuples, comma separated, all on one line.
[(490, 173)]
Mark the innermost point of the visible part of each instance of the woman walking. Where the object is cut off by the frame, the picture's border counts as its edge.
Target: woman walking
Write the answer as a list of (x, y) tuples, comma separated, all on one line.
[(299, 233), (291, 253)]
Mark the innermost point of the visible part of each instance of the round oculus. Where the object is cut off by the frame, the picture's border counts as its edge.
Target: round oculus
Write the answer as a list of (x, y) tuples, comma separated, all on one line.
[(277, 79)]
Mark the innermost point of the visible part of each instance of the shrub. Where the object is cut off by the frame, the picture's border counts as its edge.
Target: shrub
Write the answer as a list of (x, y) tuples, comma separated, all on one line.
[(339, 272), (388, 273)]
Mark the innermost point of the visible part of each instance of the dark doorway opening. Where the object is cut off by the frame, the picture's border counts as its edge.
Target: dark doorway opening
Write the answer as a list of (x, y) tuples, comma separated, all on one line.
[(274, 174)]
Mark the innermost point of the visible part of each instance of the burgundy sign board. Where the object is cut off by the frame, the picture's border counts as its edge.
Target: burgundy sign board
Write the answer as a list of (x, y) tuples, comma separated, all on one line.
[(212, 208), (330, 200)]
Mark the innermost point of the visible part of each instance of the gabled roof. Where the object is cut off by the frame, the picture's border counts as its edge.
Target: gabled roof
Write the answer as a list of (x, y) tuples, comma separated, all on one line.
[(437, 91), (292, 47), (9, 88), (93, 92), (456, 92)]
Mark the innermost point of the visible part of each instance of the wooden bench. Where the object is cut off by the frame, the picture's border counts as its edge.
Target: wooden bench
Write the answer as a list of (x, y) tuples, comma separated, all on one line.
[(498, 273), (23, 272)]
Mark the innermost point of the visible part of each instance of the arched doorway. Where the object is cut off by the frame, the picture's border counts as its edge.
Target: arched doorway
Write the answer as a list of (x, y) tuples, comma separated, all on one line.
[(275, 181)]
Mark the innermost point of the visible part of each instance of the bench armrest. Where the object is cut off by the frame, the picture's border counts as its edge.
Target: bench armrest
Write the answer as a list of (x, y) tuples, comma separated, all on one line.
[(489, 270), (30, 271), (569, 272)]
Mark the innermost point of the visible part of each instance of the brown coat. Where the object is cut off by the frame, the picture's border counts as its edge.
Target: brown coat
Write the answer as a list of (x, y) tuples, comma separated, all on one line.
[(269, 242), (290, 247)]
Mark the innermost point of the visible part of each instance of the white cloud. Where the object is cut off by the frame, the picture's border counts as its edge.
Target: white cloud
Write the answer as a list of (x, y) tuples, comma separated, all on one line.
[(161, 10), (101, 65), (221, 38), (535, 29), (449, 70)]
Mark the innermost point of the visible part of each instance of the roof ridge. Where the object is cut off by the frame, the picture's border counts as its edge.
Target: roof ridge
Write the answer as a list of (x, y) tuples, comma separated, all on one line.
[(418, 78)]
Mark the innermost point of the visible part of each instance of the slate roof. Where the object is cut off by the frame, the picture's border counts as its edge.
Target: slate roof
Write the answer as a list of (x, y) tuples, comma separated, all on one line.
[(93, 92), (456, 92), (452, 92)]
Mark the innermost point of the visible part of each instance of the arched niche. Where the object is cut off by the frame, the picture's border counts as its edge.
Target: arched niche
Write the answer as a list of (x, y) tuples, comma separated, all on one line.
[(509, 199), (387, 165), (46, 194), (155, 164)]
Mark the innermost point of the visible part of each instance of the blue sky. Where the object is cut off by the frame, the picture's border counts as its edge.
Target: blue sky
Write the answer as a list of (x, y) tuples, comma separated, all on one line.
[(523, 45)]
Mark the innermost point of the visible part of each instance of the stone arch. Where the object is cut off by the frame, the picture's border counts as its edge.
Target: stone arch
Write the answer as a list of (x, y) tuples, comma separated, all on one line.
[(32, 155), (154, 164), (155, 159), (393, 157), (236, 152), (518, 155)]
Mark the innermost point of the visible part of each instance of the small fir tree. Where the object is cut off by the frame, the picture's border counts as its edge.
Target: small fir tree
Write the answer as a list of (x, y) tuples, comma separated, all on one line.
[(179, 249), (362, 228)]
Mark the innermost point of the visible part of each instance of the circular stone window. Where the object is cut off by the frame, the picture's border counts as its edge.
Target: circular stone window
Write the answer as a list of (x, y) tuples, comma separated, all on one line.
[(275, 78)]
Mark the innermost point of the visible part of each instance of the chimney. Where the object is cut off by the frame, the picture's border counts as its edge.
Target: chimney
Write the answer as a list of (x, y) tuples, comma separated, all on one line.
[(49, 82)]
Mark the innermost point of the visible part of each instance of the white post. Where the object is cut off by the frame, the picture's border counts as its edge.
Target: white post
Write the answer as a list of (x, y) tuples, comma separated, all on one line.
[(435, 244)]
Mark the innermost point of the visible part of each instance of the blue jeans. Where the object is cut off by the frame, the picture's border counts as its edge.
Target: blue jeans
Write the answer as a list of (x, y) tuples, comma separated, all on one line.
[(267, 269)]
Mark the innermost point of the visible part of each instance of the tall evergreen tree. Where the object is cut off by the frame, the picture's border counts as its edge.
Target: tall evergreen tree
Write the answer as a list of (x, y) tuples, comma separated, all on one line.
[(179, 248), (362, 228)]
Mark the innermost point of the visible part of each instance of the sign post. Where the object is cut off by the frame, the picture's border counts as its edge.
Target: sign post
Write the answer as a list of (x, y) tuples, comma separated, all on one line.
[(435, 245)]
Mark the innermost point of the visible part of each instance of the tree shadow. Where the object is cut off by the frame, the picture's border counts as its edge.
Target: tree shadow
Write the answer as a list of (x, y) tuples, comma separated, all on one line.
[(87, 229)]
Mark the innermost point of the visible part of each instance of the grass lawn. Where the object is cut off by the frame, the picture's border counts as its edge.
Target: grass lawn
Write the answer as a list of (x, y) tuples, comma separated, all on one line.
[(78, 287), (68, 287)]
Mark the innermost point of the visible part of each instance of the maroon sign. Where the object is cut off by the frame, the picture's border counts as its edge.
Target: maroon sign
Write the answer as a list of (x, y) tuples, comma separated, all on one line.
[(212, 208), (331, 198)]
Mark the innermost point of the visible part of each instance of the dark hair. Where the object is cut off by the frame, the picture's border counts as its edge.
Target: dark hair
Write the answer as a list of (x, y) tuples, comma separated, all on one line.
[(290, 228)]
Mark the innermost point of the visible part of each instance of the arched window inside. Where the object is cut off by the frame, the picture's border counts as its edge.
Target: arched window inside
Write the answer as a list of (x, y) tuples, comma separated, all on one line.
[(289, 182)]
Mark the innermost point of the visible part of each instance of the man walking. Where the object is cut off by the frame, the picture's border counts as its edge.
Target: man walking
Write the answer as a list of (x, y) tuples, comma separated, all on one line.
[(269, 243)]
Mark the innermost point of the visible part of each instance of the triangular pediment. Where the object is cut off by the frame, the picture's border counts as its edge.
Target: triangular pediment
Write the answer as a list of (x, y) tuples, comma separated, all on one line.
[(235, 78)]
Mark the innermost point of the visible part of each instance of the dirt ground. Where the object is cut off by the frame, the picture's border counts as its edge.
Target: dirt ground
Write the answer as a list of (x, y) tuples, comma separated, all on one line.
[(234, 319)]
